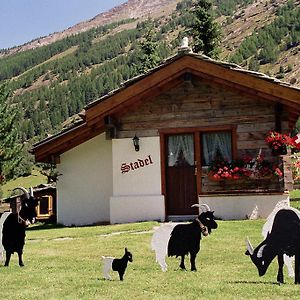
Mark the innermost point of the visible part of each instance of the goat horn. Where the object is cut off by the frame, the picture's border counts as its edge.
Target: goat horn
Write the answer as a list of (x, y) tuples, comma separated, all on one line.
[(249, 246), (31, 191), (23, 190), (207, 208)]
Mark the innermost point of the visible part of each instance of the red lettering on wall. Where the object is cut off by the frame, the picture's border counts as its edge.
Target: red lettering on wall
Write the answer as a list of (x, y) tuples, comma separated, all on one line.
[(125, 168), (140, 163)]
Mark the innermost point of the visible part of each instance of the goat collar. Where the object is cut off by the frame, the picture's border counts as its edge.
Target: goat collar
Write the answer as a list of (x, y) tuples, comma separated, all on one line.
[(22, 221), (203, 228)]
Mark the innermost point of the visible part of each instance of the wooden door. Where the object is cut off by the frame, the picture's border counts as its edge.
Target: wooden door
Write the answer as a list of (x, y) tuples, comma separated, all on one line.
[(181, 184)]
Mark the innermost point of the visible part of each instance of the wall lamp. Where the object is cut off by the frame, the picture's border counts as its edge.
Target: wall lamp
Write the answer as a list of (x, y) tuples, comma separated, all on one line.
[(136, 143)]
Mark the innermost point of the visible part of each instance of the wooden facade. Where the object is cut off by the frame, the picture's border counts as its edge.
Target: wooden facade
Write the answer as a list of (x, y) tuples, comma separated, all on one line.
[(245, 86), (190, 95), (199, 106)]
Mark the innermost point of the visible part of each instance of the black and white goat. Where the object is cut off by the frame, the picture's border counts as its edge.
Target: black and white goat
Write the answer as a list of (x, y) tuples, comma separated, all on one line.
[(116, 264), (175, 239), (282, 237), (12, 227)]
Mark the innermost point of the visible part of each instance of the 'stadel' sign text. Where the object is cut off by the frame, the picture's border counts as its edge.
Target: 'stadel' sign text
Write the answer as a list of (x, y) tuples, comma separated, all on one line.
[(140, 163)]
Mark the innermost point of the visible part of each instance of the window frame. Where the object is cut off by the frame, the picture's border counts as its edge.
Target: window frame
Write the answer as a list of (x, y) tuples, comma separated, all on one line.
[(163, 133), (201, 145)]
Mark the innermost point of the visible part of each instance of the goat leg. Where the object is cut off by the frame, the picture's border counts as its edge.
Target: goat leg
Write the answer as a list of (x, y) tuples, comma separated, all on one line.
[(182, 266), (21, 264), (121, 273), (193, 259), (8, 255), (280, 268), (297, 269)]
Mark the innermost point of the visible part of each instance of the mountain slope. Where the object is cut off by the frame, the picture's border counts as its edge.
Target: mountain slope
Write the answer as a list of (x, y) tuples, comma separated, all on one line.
[(246, 21), (132, 9), (54, 77)]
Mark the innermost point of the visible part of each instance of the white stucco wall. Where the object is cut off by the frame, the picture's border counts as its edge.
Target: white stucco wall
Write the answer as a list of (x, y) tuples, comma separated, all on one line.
[(85, 187), (136, 181), (239, 207)]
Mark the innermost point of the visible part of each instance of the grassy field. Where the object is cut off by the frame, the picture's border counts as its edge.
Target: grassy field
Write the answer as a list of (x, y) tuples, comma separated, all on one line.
[(33, 180), (64, 263)]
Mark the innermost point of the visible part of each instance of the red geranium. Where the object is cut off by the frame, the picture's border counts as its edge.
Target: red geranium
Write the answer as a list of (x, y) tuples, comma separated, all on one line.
[(248, 167), (277, 140)]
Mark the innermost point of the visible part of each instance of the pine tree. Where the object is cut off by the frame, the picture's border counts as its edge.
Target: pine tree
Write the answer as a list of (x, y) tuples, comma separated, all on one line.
[(253, 64), (10, 149), (148, 55), (205, 32)]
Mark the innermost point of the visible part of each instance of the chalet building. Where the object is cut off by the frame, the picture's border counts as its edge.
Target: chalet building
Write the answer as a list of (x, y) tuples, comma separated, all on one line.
[(142, 152)]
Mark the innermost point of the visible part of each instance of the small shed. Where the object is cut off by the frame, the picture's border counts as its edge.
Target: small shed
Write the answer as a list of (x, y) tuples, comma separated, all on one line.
[(142, 152), (46, 209)]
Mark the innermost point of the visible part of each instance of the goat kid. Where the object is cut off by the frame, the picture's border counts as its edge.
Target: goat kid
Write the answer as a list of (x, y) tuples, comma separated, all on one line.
[(282, 239), (175, 239), (13, 225), (116, 264)]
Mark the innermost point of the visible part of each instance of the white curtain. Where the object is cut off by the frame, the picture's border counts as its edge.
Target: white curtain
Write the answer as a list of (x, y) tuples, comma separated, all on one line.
[(217, 143), (180, 145)]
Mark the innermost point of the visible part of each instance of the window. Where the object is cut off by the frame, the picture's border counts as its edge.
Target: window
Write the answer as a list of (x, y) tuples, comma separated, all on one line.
[(216, 145), (45, 206), (181, 150)]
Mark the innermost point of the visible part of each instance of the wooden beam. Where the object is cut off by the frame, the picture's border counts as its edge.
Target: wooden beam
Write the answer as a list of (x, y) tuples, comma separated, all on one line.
[(156, 79), (196, 129), (250, 92), (66, 142), (242, 78), (278, 114), (136, 100)]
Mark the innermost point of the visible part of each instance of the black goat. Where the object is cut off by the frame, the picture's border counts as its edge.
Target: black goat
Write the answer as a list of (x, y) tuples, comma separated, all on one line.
[(116, 264), (284, 238), (183, 239), (13, 227)]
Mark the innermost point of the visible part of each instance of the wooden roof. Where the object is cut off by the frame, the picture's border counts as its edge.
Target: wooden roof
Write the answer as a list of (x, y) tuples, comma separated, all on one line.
[(168, 74)]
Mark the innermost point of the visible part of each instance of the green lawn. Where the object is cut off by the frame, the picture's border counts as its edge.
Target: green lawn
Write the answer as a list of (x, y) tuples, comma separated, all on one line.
[(64, 263)]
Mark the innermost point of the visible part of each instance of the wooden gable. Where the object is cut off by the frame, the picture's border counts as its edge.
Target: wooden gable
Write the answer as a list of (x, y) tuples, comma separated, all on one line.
[(174, 72)]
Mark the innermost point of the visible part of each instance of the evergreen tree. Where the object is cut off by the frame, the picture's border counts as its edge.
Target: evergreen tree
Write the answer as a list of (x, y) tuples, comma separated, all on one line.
[(205, 32), (254, 64), (10, 147), (148, 56)]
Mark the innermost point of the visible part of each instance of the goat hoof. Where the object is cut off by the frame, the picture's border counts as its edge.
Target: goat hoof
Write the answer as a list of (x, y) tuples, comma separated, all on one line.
[(280, 281)]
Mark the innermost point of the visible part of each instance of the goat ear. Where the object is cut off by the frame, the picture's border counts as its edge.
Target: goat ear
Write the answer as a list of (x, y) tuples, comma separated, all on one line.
[(247, 253), (126, 250)]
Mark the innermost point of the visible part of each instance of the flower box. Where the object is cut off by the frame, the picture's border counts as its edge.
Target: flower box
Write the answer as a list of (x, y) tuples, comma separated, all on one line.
[(247, 168)]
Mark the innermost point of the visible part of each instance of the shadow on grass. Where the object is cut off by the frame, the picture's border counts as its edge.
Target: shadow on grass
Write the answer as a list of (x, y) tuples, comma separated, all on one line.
[(254, 282), (42, 226)]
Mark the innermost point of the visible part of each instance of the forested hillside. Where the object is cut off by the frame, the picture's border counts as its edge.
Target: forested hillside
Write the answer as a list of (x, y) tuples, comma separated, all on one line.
[(54, 82)]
